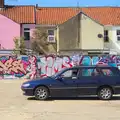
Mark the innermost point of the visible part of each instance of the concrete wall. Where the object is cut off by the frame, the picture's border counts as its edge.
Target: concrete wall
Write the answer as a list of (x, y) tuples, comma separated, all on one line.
[(30, 67), (89, 34), (80, 32), (68, 34), (8, 31)]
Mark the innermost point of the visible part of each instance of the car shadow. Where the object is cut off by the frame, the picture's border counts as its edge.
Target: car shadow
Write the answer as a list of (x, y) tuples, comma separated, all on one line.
[(75, 98)]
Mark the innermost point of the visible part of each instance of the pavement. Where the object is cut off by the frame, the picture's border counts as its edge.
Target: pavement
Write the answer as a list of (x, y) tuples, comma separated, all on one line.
[(15, 106)]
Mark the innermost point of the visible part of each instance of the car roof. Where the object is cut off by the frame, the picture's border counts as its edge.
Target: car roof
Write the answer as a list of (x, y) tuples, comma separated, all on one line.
[(96, 66)]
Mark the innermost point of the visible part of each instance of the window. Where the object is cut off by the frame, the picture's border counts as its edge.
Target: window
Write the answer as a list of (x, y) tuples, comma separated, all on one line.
[(90, 72), (106, 36), (107, 72), (51, 36), (118, 35), (27, 33), (70, 73)]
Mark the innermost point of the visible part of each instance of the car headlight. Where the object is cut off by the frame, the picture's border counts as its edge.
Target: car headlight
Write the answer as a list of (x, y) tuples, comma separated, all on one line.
[(26, 85)]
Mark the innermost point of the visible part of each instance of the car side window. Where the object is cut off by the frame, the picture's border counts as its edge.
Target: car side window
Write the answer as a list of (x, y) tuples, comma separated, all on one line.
[(90, 72), (108, 72), (70, 73)]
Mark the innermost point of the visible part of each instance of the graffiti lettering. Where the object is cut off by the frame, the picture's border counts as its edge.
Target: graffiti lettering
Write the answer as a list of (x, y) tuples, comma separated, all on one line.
[(12, 66), (49, 65), (29, 66)]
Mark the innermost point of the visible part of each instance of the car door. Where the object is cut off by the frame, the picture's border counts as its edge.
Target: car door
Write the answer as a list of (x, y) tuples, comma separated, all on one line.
[(112, 78), (66, 85), (88, 81)]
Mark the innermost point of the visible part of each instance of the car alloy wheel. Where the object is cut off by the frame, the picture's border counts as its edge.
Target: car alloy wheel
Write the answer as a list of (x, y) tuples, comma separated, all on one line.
[(105, 93), (41, 93)]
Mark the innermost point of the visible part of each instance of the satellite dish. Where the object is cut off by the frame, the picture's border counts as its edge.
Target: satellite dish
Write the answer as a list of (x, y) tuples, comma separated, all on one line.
[(100, 35)]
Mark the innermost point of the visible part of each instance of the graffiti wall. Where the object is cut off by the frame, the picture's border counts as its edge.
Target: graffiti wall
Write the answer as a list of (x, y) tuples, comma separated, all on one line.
[(29, 67), (17, 67), (48, 65)]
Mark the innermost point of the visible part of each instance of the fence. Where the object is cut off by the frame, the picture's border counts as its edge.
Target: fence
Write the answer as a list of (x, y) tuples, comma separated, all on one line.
[(29, 67)]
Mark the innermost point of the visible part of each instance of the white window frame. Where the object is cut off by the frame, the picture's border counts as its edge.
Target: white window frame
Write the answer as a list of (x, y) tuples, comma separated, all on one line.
[(51, 36), (27, 30), (117, 35)]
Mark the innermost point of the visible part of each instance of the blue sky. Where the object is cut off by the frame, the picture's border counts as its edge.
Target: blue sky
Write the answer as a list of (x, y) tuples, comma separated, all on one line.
[(64, 3)]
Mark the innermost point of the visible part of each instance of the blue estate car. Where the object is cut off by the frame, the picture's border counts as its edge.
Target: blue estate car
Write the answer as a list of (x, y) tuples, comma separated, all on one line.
[(76, 81)]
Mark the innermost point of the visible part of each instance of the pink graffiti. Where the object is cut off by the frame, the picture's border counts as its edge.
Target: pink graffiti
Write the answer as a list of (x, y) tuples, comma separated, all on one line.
[(33, 66), (11, 66)]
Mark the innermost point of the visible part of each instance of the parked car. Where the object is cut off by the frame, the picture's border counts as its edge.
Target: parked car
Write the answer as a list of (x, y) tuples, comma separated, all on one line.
[(76, 81)]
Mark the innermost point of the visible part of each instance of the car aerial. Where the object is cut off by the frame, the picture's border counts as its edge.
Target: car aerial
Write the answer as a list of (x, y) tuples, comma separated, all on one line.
[(103, 81)]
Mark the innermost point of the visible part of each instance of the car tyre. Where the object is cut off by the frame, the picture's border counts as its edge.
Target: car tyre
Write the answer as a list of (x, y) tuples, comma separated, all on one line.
[(41, 93), (105, 93)]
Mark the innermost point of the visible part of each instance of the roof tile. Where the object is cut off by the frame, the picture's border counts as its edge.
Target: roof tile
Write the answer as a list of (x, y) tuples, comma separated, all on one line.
[(58, 15), (20, 14), (54, 15), (104, 15)]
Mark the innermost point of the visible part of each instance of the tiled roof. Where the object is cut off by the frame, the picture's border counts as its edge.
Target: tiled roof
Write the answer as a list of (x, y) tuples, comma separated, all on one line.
[(20, 14), (104, 15), (53, 16), (58, 15)]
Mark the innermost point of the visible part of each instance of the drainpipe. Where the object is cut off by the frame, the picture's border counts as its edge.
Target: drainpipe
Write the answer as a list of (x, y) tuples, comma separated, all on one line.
[(78, 29), (35, 13), (79, 23)]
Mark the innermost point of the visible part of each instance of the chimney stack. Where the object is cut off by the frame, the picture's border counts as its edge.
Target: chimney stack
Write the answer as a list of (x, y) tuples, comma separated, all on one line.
[(2, 3), (36, 5)]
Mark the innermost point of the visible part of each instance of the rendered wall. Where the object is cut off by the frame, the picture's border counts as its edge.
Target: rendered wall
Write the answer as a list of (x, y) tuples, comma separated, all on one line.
[(8, 31)]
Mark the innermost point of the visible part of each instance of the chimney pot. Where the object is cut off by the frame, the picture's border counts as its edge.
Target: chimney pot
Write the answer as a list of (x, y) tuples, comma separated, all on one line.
[(36, 5)]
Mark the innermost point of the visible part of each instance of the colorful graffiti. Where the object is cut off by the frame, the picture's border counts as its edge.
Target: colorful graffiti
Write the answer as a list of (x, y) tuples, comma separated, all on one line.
[(48, 65), (14, 67), (30, 67)]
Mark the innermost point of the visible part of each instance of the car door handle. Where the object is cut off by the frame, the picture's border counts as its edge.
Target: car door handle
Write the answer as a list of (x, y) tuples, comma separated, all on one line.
[(74, 77)]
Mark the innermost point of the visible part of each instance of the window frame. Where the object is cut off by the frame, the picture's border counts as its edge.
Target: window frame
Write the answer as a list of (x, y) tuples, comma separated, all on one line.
[(112, 70), (27, 30), (118, 35), (69, 70), (106, 36), (48, 38)]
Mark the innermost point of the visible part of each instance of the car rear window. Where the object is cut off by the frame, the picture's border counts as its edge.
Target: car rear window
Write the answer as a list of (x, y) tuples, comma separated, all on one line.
[(109, 72)]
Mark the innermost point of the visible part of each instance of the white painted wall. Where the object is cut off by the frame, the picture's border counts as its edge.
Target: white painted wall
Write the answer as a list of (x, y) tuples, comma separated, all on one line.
[(113, 42), (114, 31)]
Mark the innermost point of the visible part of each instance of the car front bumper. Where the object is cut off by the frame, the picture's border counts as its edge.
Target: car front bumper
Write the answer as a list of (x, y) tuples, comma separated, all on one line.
[(28, 91)]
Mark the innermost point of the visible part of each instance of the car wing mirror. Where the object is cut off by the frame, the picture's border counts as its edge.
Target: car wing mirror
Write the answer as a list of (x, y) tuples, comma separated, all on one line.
[(60, 78)]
